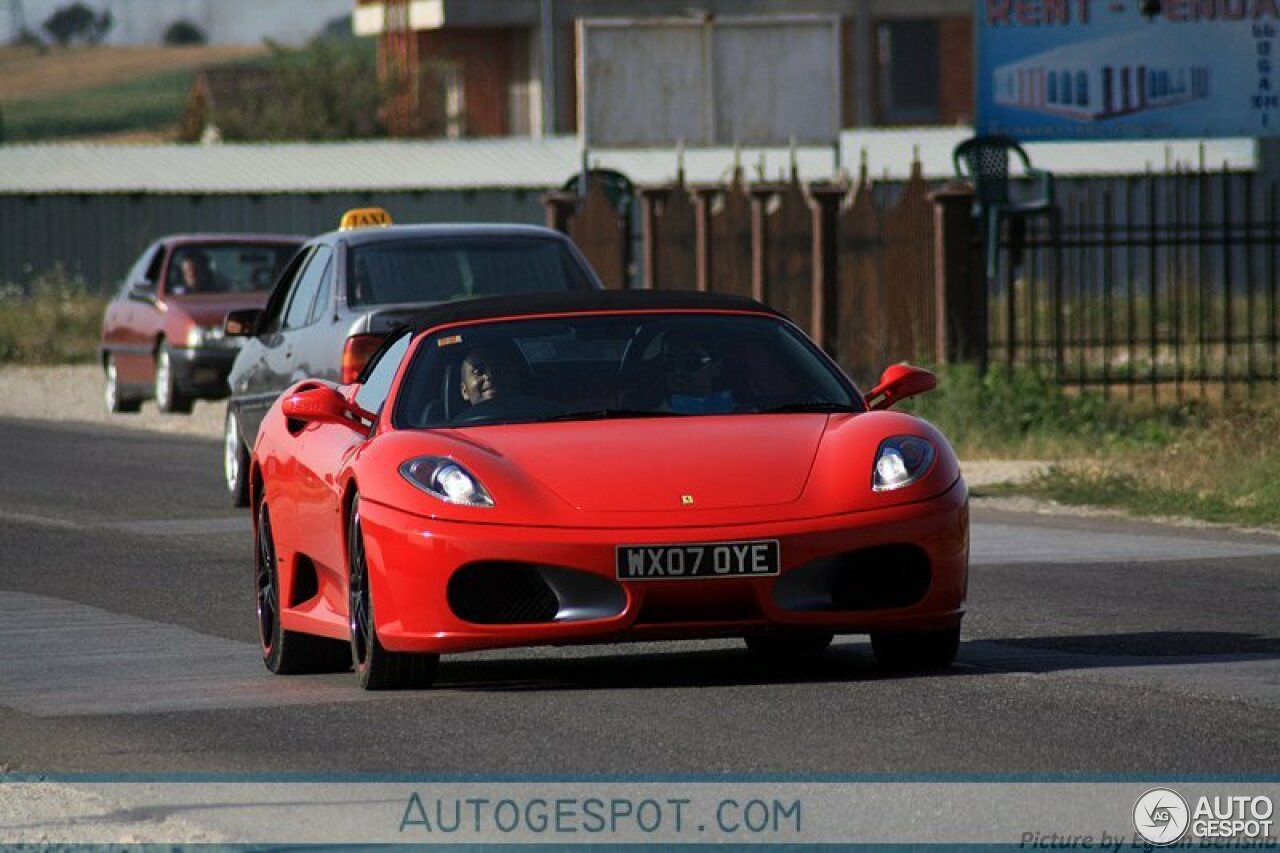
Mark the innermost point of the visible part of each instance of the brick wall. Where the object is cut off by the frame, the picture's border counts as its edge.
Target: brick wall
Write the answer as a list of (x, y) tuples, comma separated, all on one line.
[(483, 56), (956, 88)]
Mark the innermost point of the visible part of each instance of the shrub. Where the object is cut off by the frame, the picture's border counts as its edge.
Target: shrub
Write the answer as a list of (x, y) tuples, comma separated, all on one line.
[(184, 32), (56, 321)]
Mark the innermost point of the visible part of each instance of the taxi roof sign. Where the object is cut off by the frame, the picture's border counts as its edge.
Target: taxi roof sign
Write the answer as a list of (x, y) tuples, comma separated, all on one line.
[(364, 217)]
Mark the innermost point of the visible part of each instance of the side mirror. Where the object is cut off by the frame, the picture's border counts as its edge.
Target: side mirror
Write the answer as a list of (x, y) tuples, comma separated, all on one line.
[(242, 323), (898, 382), (142, 291), (322, 404)]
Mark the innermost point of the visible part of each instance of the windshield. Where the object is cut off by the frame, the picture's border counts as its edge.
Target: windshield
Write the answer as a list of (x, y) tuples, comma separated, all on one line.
[(446, 269), (226, 267), (617, 366)]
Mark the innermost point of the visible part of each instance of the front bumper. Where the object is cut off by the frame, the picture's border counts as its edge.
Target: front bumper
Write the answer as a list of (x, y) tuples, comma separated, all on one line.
[(412, 561), (202, 372)]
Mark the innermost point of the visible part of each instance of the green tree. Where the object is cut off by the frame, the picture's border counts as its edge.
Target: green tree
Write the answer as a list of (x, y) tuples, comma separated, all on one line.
[(78, 22), (328, 90), (184, 32)]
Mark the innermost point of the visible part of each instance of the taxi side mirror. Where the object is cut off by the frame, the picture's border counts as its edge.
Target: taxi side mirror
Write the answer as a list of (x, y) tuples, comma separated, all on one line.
[(242, 323)]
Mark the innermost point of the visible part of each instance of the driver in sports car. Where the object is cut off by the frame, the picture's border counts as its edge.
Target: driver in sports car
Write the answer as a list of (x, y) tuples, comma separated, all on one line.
[(492, 382)]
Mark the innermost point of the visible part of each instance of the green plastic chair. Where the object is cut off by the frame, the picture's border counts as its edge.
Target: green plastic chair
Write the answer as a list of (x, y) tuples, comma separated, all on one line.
[(985, 161)]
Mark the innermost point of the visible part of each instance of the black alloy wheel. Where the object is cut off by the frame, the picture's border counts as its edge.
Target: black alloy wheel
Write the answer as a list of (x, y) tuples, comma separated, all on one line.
[(376, 668), (916, 651), (286, 652), (786, 644)]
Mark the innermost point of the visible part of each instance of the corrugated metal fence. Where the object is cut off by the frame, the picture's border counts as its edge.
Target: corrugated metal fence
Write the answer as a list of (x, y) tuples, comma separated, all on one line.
[(96, 237)]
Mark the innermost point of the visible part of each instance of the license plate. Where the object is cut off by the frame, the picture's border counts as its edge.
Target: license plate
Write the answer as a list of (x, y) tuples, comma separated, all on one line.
[(699, 560)]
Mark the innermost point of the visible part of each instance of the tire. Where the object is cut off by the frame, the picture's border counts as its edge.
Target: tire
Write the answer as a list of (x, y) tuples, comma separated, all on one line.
[(235, 460), (376, 668), (168, 398), (286, 652), (916, 652), (786, 644), (111, 395)]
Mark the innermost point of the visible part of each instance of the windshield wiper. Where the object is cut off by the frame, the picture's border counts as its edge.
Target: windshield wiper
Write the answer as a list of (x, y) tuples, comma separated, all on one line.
[(608, 414), (811, 406)]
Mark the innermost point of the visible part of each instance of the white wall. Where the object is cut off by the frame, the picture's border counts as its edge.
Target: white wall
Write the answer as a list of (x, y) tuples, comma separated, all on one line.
[(223, 21)]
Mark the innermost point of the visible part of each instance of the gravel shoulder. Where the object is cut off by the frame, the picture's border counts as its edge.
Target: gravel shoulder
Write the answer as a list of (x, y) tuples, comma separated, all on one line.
[(74, 393)]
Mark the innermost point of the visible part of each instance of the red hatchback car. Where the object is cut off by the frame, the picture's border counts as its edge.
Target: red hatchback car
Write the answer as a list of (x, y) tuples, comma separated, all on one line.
[(590, 467), (162, 335)]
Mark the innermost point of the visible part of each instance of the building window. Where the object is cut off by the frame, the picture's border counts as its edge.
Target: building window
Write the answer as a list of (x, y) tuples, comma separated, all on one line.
[(1082, 89), (1053, 88), (1065, 77), (909, 71)]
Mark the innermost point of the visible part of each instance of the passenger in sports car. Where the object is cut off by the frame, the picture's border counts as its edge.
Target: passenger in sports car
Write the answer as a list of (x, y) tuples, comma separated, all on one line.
[(694, 377)]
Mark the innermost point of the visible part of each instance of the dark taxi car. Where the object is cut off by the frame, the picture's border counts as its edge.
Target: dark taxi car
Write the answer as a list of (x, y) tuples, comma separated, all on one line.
[(346, 289), (162, 335)]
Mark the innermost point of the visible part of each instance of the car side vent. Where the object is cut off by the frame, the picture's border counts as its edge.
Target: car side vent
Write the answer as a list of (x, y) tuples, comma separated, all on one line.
[(496, 593), (305, 581)]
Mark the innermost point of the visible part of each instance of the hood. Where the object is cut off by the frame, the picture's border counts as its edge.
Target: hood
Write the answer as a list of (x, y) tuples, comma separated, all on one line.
[(210, 309), (656, 464)]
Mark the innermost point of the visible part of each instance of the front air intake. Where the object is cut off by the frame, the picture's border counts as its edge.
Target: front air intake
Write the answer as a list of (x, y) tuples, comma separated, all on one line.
[(881, 578), (502, 594)]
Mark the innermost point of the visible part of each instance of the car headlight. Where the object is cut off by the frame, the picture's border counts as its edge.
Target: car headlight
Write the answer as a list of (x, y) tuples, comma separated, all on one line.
[(204, 336), (901, 461), (446, 480)]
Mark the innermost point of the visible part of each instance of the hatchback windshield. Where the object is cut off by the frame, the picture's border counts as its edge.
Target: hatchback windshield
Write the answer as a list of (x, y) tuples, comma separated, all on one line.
[(226, 268), (617, 366), (445, 269)]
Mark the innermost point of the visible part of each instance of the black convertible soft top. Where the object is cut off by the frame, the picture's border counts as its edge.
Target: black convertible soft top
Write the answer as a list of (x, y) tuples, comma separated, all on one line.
[(569, 302)]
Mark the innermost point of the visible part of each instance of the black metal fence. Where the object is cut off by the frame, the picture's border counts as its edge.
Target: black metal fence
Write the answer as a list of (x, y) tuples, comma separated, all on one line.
[(1161, 284)]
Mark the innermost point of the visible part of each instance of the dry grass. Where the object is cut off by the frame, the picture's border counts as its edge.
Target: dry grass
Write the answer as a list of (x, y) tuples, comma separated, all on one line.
[(28, 74)]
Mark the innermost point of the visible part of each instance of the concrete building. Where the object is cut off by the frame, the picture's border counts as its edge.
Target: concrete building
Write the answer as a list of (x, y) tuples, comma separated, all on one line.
[(507, 67)]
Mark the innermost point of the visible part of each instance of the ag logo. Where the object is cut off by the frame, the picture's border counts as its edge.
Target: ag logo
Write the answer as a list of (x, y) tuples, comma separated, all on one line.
[(1161, 816)]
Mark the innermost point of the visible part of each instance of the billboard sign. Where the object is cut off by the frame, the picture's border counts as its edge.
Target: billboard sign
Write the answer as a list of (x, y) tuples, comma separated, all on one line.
[(758, 81), (1099, 69)]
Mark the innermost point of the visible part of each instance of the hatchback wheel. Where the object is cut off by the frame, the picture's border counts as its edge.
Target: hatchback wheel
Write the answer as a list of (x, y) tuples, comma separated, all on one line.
[(111, 394), (168, 397)]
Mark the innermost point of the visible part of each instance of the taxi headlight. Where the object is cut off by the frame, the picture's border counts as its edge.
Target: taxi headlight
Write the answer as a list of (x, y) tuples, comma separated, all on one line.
[(901, 461), (446, 480)]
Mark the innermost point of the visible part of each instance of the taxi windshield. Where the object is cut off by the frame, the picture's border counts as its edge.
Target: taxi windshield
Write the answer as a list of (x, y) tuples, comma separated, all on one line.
[(445, 269), (618, 366)]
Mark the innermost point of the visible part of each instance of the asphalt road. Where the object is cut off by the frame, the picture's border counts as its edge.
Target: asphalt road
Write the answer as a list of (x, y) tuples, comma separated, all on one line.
[(127, 645)]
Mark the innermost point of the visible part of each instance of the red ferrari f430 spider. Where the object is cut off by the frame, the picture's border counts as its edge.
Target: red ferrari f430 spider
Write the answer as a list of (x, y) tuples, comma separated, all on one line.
[(600, 466)]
